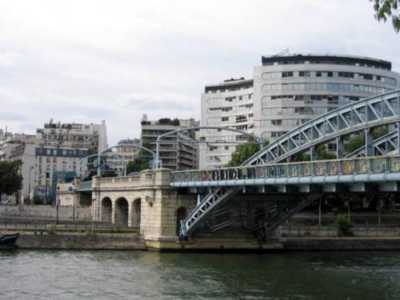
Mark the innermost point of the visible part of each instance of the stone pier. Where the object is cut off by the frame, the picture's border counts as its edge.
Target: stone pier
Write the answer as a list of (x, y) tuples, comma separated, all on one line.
[(145, 200)]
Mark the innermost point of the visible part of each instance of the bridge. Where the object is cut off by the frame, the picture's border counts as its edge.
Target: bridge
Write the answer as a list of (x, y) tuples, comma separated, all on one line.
[(168, 203), (332, 127)]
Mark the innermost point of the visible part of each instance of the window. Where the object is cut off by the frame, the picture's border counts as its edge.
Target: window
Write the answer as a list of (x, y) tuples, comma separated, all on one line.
[(330, 74), (287, 74), (319, 74), (303, 110), (229, 99), (241, 118), (305, 74), (276, 122), (225, 119), (366, 76), (346, 74)]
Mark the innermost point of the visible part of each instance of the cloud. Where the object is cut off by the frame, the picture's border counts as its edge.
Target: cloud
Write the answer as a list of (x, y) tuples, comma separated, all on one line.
[(99, 60)]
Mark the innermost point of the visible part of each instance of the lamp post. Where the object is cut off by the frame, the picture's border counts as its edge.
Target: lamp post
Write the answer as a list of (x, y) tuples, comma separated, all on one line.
[(29, 185), (100, 153), (57, 202)]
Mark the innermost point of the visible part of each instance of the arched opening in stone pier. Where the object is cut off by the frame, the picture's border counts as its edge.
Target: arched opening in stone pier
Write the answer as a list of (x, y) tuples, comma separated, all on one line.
[(136, 211), (181, 214), (106, 210), (121, 212)]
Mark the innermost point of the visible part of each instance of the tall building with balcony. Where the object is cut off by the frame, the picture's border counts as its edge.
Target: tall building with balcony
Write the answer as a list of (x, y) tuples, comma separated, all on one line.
[(227, 104), (293, 89), (177, 151)]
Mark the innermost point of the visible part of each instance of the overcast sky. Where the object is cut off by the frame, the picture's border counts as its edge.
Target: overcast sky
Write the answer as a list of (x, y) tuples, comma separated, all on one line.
[(87, 61)]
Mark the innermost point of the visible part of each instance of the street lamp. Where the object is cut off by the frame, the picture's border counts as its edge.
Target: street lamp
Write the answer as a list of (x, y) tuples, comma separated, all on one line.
[(57, 202), (100, 153), (29, 184)]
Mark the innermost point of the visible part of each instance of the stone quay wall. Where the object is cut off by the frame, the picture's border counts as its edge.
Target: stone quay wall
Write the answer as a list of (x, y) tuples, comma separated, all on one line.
[(37, 212)]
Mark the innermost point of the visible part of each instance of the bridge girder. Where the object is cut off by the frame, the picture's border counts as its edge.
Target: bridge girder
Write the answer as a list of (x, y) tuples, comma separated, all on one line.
[(355, 117)]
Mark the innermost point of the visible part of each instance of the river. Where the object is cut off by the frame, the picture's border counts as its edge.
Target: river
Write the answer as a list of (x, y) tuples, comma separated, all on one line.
[(151, 275)]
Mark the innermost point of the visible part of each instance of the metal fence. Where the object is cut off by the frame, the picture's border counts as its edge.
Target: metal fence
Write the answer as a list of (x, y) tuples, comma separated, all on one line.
[(354, 166)]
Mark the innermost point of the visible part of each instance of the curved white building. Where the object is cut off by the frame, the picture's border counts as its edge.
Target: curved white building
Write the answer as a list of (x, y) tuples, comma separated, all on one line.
[(290, 90)]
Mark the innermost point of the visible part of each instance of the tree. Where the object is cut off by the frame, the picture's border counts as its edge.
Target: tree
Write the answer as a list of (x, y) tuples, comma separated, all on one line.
[(386, 9), (379, 131), (355, 142), (10, 177), (322, 153), (142, 162), (243, 152)]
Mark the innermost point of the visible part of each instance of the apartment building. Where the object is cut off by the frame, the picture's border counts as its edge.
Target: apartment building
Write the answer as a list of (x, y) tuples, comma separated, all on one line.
[(177, 151), (227, 104), (293, 89), (285, 92), (54, 153)]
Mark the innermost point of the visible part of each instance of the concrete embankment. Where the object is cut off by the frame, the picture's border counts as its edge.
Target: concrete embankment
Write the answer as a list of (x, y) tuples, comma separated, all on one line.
[(63, 238), (71, 241), (341, 244)]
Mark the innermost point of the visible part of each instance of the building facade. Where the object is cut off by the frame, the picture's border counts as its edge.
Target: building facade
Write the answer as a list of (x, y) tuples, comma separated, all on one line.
[(178, 151), (119, 156), (74, 135), (228, 104), (287, 91), (22, 147), (55, 153), (291, 90)]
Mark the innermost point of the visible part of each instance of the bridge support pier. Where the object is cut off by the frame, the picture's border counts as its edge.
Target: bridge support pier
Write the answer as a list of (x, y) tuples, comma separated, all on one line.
[(147, 201)]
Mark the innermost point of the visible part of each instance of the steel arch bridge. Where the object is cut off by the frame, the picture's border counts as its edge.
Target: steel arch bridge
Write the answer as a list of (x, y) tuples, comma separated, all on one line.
[(361, 116)]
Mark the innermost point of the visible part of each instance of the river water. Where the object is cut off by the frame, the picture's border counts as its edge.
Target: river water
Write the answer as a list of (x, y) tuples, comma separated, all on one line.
[(151, 275)]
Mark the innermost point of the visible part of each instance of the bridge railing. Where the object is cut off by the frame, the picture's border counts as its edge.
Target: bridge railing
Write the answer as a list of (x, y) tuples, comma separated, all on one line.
[(353, 166)]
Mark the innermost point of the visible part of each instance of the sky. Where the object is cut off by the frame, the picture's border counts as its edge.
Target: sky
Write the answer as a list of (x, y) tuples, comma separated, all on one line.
[(92, 60)]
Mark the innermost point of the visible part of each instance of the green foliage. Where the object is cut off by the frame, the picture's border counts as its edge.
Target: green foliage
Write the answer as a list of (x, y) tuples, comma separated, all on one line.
[(344, 225), (355, 142), (379, 131), (302, 157), (386, 9), (243, 152), (10, 177), (142, 162), (322, 153)]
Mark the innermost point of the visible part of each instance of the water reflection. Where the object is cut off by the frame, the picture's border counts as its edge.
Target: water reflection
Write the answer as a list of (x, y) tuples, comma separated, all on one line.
[(150, 275)]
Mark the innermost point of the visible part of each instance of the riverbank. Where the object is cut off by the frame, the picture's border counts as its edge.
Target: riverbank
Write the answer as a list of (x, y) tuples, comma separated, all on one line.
[(64, 238), (77, 241)]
